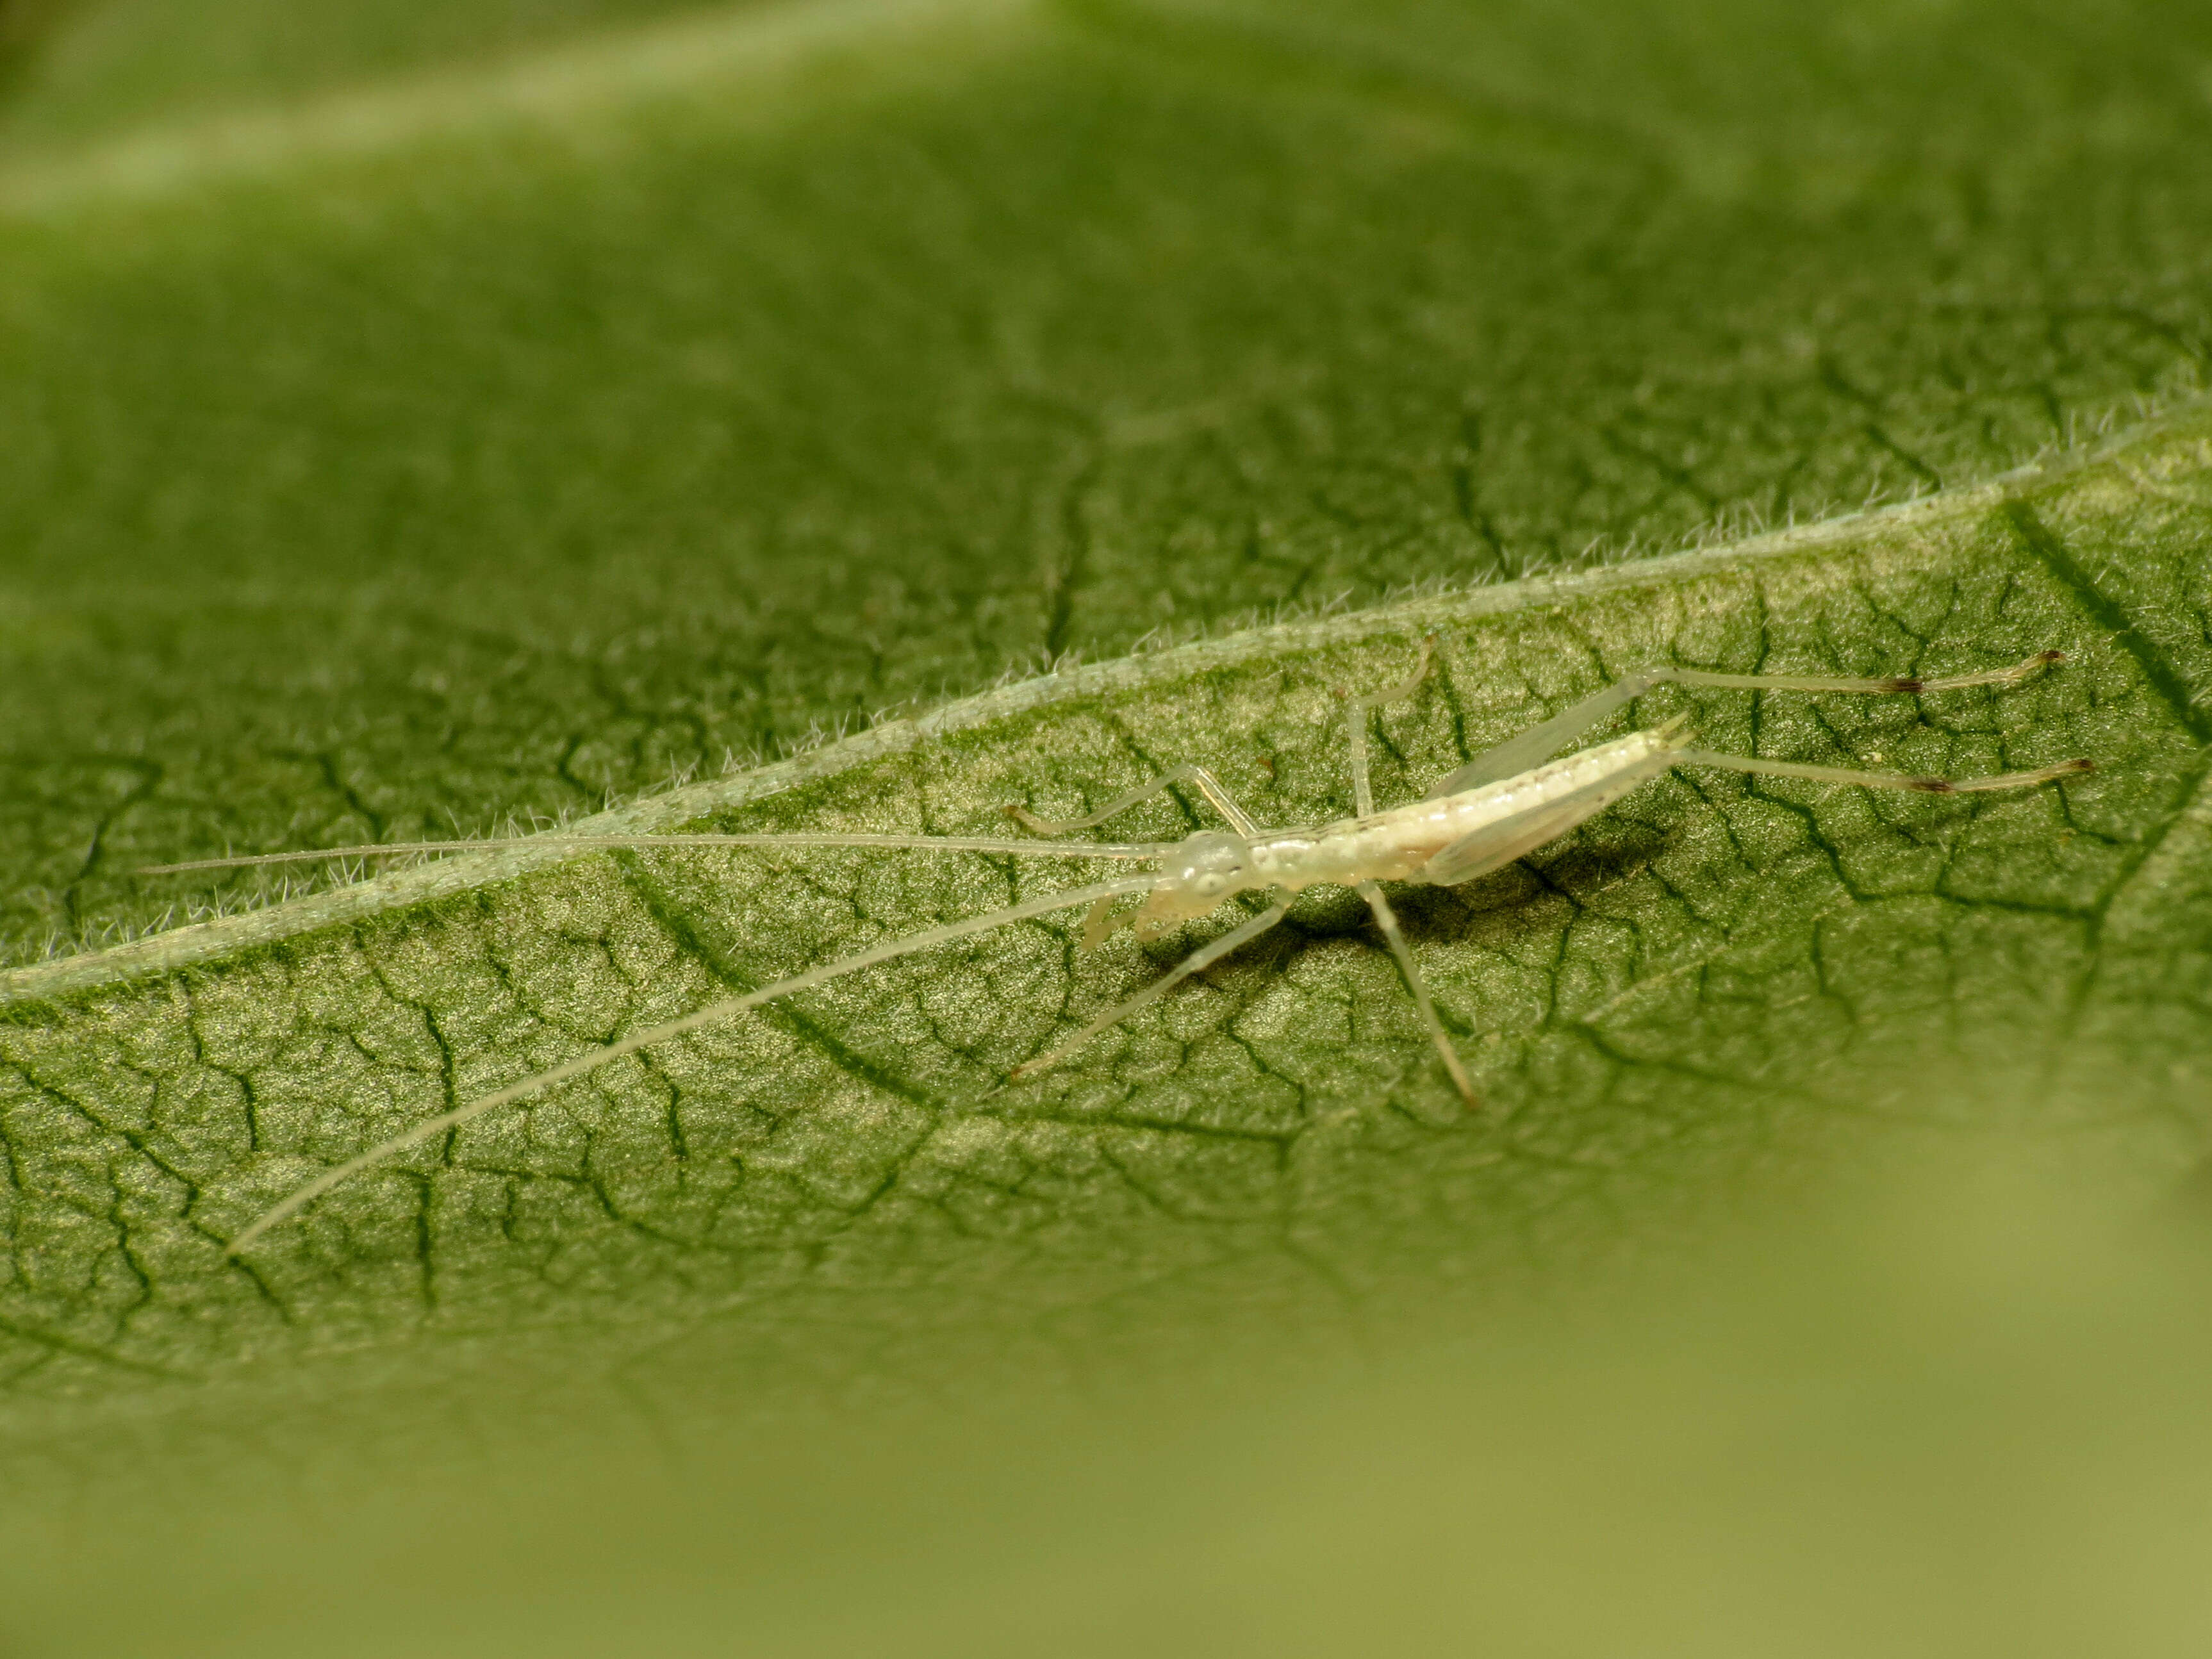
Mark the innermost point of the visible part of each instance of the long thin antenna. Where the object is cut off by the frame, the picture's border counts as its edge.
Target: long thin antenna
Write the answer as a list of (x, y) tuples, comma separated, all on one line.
[(596, 1058), (1084, 849)]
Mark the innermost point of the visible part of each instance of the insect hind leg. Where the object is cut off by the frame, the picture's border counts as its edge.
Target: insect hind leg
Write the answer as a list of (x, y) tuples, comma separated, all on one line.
[(1925, 785), (1540, 742)]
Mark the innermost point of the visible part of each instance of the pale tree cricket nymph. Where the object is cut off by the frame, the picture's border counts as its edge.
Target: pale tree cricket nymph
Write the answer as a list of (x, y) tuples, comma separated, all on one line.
[(1500, 806)]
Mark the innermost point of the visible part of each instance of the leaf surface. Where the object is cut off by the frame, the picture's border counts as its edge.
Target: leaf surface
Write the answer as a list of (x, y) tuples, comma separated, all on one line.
[(449, 440), (1717, 976)]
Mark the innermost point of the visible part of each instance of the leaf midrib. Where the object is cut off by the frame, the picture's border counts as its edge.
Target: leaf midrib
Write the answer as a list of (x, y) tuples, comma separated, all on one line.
[(199, 942)]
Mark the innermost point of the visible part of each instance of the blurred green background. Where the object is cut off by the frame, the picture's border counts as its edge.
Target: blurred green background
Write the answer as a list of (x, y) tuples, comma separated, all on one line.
[(419, 416)]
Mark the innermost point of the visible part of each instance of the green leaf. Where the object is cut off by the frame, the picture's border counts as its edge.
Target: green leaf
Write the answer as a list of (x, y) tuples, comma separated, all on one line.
[(1719, 973), (1716, 986), (506, 437)]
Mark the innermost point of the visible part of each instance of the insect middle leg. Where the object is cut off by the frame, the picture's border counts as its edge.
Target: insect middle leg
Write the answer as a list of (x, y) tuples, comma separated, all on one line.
[(1363, 802), (1539, 743), (1386, 919), (1211, 951)]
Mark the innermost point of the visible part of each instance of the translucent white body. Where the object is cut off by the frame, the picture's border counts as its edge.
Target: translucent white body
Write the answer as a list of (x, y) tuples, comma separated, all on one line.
[(1406, 843)]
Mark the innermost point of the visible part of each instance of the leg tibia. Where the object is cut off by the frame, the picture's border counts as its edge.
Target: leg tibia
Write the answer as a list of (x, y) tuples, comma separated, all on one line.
[(1355, 714), (1386, 919), (1883, 780), (2012, 676), (1209, 953), (1540, 742), (1208, 785)]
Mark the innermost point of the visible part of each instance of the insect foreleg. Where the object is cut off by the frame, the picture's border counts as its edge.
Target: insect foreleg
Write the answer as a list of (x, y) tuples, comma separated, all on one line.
[(1209, 953), (1355, 714), (595, 1058), (1208, 785), (1386, 919)]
